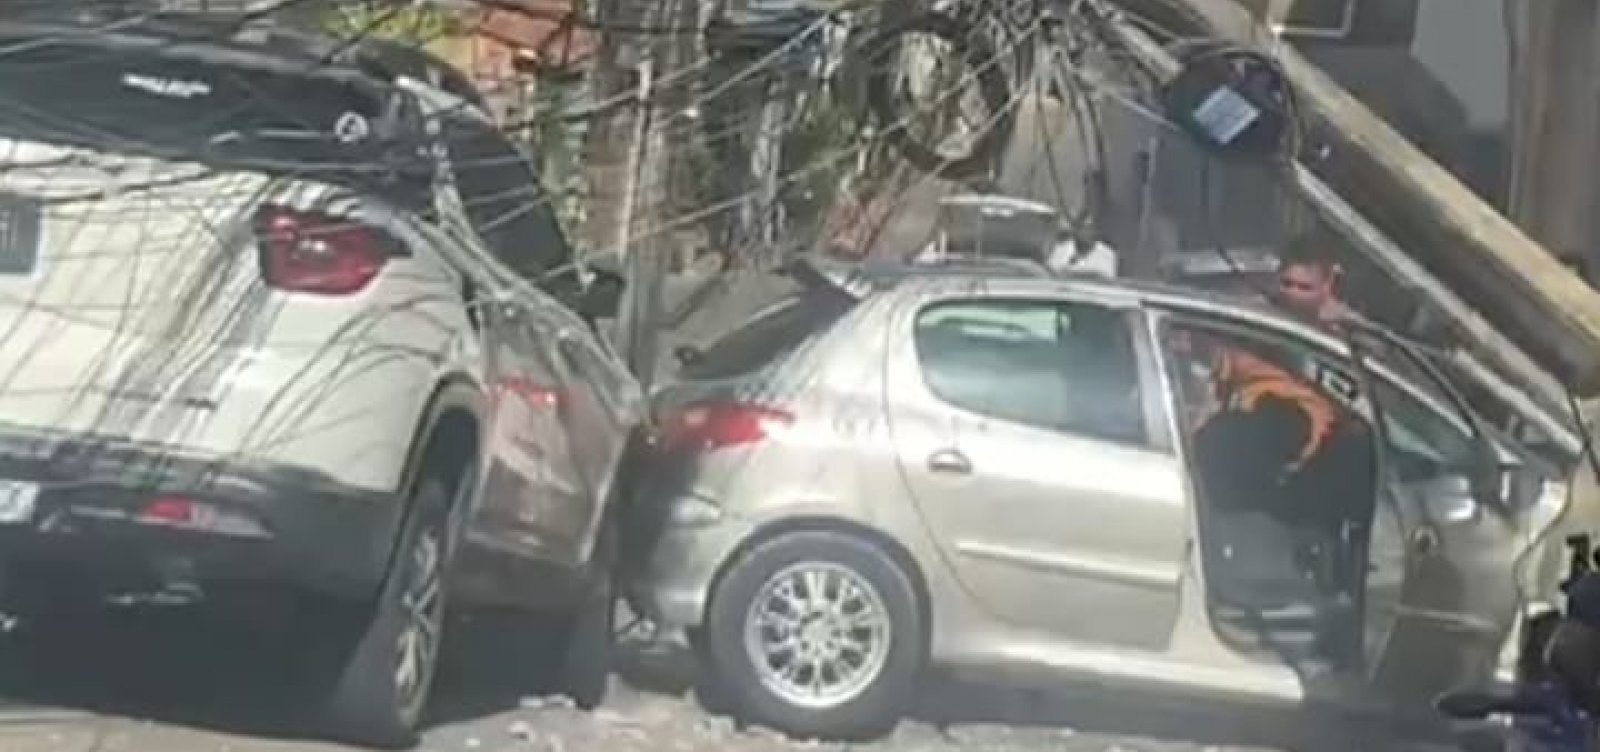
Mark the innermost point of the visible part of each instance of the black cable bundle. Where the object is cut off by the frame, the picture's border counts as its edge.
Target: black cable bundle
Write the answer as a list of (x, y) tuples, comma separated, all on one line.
[(1233, 101)]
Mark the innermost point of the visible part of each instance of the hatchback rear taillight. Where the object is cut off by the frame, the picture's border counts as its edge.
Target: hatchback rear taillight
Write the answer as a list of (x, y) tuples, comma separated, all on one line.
[(311, 252), (711, 426)]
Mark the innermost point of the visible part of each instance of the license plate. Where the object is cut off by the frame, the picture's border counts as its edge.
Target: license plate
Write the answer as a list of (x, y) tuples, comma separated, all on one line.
[(19, 235), (18, 500)]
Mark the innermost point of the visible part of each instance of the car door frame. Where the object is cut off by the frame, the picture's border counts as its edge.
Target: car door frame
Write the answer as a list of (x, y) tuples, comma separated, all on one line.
[(621, 411), (1157, 632), (500, 317), (1440, 640), (1385, 666), (1324, 355)]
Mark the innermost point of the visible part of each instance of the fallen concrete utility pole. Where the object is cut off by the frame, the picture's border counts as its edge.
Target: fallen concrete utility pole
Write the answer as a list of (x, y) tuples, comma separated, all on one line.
[(1520, 287), (1539, 398), (1498, 263)]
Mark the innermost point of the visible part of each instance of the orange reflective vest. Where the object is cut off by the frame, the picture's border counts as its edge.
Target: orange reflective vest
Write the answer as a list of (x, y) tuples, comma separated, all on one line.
[(1243, 380)]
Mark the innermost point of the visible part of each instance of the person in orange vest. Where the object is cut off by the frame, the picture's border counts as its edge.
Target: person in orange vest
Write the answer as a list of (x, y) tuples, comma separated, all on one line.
[(1280, 420), (1248, 383), (1276, 445)]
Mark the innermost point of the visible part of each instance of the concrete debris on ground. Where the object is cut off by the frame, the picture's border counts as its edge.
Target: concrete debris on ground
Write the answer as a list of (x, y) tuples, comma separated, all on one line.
[(634, 721)]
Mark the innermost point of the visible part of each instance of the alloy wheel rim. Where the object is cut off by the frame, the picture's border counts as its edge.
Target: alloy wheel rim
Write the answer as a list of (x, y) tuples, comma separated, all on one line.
[(818, 634), (421, 604)]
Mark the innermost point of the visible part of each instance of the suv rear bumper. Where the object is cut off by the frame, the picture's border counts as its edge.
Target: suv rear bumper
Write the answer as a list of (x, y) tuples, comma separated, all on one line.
[(141, 518)]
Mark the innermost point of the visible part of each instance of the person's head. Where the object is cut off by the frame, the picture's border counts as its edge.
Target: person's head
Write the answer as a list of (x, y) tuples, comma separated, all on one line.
[(1308, 276)]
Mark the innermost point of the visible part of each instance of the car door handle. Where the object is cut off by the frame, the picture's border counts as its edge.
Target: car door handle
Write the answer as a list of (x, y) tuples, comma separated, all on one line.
[(949, 461)]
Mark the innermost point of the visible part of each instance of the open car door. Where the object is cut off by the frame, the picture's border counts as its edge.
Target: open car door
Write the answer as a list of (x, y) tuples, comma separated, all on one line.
[(1445, 517)]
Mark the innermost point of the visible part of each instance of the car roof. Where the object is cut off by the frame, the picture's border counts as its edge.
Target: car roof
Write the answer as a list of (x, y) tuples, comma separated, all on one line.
[(1023, 279), (1023, 276)]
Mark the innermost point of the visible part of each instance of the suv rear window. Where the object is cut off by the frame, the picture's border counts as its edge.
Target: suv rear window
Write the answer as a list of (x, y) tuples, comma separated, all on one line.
[(163, 101), (780, 329)]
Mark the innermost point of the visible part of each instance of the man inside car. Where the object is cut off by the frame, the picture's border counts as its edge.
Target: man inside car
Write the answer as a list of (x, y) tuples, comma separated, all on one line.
[(1274, 443)]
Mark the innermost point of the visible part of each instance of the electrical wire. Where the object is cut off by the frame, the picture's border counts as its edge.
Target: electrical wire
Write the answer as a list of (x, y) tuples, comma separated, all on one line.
[(816, 165), (573, 18)]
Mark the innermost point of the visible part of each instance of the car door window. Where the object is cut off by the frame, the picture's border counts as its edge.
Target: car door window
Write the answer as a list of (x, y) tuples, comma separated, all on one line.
[(1426, 433), (1423, 442), (1059, 366), (1421, 438)]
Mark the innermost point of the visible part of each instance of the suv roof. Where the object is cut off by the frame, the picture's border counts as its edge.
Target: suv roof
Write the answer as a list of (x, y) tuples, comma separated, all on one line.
[(245, 38), (178, 89)]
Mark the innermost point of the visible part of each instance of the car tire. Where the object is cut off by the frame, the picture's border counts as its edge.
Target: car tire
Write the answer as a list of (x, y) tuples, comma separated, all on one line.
[(381, 688), (857, 579)]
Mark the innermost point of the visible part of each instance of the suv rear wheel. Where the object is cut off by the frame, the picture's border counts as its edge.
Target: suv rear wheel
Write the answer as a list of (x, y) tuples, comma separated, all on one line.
[(816, 634), (382, 687)]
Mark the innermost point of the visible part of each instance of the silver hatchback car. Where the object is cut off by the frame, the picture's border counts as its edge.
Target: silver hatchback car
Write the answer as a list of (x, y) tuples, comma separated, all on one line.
[(897, 468)]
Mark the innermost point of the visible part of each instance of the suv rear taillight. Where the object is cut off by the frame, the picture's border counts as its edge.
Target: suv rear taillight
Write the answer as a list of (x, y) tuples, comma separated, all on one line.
[(707, 427), (311, 252)]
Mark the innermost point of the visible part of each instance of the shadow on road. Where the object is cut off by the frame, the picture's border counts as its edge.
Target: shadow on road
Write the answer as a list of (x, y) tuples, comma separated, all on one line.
[(167, 668), (947, 703), (174, 668), (156, 667)]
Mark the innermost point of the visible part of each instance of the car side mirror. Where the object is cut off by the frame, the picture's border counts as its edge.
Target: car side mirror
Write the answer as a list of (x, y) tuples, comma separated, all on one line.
[(1490, 475), (593, 294), (601, 297)]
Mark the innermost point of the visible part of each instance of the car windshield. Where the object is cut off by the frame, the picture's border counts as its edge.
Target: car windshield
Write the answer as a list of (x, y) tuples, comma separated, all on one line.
[(154, 101)]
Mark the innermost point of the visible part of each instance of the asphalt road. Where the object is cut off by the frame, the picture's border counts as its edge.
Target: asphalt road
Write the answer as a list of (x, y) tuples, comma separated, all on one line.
[(163, 684)]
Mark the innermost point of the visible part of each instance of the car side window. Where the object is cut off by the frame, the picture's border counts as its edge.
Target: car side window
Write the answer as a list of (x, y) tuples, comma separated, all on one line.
[(1426, 434), (1060, 366), (502, 199), (1422, 442)]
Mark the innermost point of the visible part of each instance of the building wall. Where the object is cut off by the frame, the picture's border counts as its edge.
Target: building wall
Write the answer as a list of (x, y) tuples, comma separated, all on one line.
[(1438, 73)]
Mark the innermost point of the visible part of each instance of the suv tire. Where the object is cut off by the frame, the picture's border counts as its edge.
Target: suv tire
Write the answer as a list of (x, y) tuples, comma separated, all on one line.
[(865, 601), (382, 687)]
